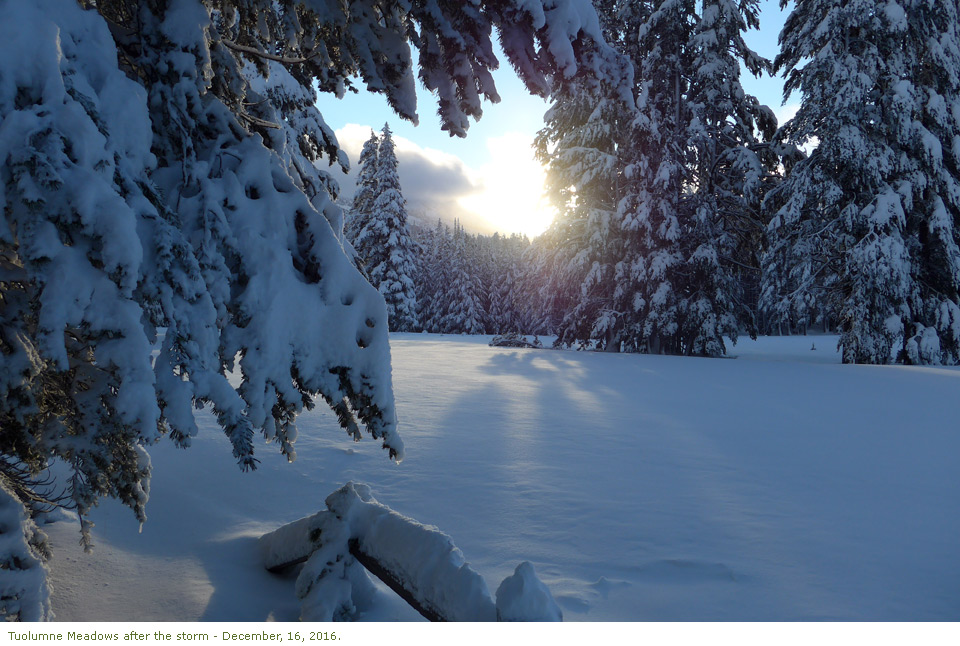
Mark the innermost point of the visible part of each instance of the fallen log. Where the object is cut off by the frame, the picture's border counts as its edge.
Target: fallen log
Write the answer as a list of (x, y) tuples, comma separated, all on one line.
[(418, 562), (515, 340)]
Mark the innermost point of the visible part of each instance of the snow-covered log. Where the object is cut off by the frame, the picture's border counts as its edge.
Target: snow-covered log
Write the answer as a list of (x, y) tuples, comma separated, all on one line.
[(419, 562), (514, 340), (421, 559)]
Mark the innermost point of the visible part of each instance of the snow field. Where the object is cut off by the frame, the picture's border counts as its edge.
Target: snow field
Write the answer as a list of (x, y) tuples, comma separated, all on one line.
[(779, 485)]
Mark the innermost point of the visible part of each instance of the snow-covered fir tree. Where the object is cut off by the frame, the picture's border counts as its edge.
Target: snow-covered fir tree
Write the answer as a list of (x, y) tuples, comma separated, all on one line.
[(580, 145), (432, 277), (159, 174), (464, 312), (866, 228), (515, 310), (730, 172), (366, 193), (658, 190), (497, 311), (382, 241), (547, 282), (695, 175)]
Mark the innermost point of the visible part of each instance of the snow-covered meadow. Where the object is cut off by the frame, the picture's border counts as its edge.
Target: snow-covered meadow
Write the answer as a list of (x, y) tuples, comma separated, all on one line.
[(774, 485)]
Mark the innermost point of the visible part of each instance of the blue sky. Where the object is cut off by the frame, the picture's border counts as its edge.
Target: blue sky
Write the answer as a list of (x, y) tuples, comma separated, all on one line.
[(490, 180)]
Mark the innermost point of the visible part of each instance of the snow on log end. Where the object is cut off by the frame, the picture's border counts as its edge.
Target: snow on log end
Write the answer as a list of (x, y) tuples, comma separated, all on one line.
[(295, 542), (524, 597)]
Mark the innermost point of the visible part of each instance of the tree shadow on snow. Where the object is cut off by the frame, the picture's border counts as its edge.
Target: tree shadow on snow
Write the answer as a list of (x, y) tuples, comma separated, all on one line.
[(242, 589)]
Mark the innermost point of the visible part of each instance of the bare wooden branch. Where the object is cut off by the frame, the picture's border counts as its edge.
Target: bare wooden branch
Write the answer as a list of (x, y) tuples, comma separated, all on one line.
[(270, 57), (255, 121)]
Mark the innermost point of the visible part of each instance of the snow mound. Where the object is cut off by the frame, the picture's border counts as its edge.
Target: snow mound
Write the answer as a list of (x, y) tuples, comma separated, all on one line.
[(524, 597)]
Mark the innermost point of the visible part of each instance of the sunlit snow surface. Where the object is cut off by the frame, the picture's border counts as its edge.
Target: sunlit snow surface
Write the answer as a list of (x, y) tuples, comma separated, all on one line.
[(777, 485)]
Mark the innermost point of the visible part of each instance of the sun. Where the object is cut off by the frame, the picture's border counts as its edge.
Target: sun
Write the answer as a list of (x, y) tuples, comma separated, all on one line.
[(511, 199)]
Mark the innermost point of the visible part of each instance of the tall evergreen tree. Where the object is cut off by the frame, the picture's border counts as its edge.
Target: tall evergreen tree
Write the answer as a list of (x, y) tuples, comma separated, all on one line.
[(432, 278), (498, 316), (383, 242), (548, 286), (366, 193), (464, 311), (652, 271), (663, 217), (730, 172), (866, 227), (516, 315), (581, 146)]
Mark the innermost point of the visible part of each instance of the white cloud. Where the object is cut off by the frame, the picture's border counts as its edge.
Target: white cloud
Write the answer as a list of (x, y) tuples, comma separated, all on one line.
[(433, 181)]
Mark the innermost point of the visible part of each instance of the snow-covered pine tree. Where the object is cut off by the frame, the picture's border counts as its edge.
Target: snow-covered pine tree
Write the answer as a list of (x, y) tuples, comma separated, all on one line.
[(84, 238), (664, 217), (503, 315), (464, 313), (867, 226), (432, 278), (730, 172), (498, 316), (483, 260), (366, 192), (516, 316), (146, 185), (424, 280), (383, 242), (269, 256), (928, 106), (443, 235), (650, 300), (545, 288), (479, 258), (690, 216), (580, 146)]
